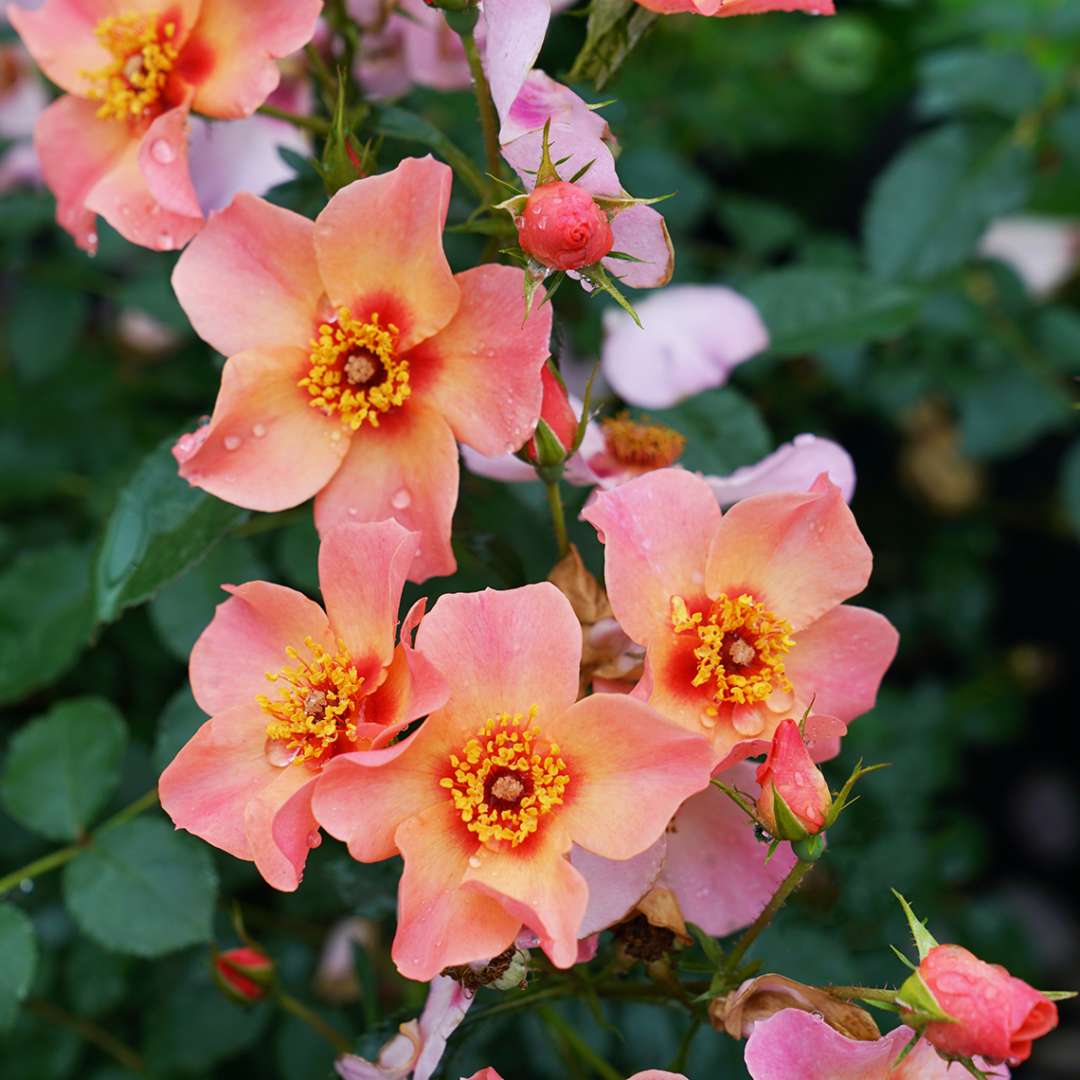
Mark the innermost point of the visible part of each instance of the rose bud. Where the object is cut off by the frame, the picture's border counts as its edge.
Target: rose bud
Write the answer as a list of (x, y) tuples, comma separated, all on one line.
[(794, 796), (563, 228), (991, 1013), (244, 974), (562, 424)]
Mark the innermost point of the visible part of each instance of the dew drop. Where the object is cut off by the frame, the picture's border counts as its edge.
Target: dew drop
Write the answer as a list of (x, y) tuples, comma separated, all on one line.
[(161, 150), (314, 838), (353, 512), (232, 442), (91, 239), (335, 436), (278, 754), (474, 862), (400, 499), (708, 721), (165, 240), (259, 430), (805, 440)]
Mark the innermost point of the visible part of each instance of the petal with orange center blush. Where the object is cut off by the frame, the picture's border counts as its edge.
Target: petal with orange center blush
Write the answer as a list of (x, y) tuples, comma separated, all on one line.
[(715, 865), (656, 531), (485, 364), (439, 922), (59, 35), (839, 661), (412, 688), (280, 826), (76, 149), (123, 198), (362, 570), (265, 447), (630, 769), (799, 554), (363, 797), (379, 243), (246, 640), (163, 160), (406, 469), (250, 278), (505, 652), (539, 887), (725, 8), (211, 780), (230, 56)]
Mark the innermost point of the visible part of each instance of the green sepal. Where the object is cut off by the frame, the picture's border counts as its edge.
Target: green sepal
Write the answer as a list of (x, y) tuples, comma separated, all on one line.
[(583, 420), (788, 826), (908, 1047), (843, 797), (344, 157), (915, 995), (582, 171), (1058, 995), (547, 173), (601, 281), (810, 848), (614, 203), (924, 940), (903, 959), (514, 206), (623, 256), (460, 15), (549, 451)]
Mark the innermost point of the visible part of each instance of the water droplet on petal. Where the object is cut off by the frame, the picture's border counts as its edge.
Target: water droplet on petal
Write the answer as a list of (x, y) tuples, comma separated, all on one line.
[(91, 239), (708, 721), (314, 838), (278, 754), (165, 241), (474, 862), (161, 150), (400, 499), (353, 512), (232, 442), (335, 436), (259, 430)]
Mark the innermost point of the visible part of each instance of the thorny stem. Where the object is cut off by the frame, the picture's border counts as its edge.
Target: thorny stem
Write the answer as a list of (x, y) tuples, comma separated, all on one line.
[(62, 855), (309, 123), (489, 121), (779, 898), (864, 993), (313, 1021), (558, 517), (89, 1031)]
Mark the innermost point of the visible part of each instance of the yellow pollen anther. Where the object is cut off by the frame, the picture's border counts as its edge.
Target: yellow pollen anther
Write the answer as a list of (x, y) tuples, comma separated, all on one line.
[(740, 649), (644, 446), (142, 53), (317, 703), (345, 359), (502, 782)]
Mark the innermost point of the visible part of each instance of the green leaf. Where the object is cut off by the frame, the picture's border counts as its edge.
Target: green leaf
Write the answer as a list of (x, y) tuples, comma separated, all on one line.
[(1006, 410), (63, 766), (613, 29), (36, 355), (398, 123), (159, 527), (1004, 84), (143, 888), (95, 978), (184, 608), (45, 617), (808, 308), (929, 208), (25, 212), (723, 430), (18, 950), (1070, 486)]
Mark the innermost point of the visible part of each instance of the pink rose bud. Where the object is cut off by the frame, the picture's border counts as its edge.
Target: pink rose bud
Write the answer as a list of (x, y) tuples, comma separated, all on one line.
[(557, 412), (563, 228), (994, 1015), (244, 974), (794, 796)]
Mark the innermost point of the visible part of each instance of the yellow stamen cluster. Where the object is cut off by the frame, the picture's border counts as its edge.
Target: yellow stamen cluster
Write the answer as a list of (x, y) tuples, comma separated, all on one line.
[(741, 648), (347, 354), (316, 703), (645, 446), (143, 55), (501, 784)]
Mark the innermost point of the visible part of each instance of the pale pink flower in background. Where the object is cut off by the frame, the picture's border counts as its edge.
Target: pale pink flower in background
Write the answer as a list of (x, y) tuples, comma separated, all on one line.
[(793, 1043), (335, 977), (23, 97), (694, 335), (576, 137), (404, 45), (418, 1047), (1044, 251), (792, 467)]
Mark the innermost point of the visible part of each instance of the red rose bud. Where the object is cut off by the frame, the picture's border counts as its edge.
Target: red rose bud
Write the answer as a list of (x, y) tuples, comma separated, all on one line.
[(991, 1014), (557, 412), (794, 796), (563, 228), (244, 974)]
